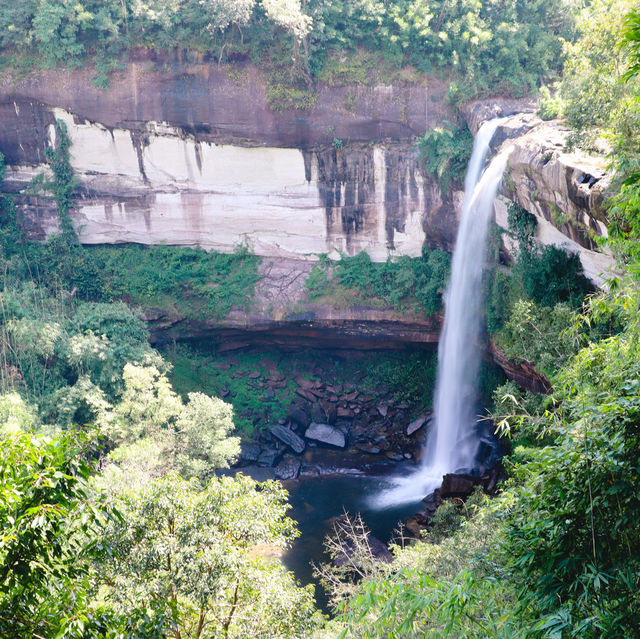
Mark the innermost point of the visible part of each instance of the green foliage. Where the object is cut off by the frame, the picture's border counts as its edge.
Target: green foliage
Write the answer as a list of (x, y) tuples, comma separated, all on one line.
[(551, 275), (452, 513), (486, 46), (523, 417), (445, 152), (456, 588), (630, 39), (522, 226), (50, 531), (624, 216), (410, 376), (63, 181), (546, 336), (254, 405), (281, 98), (68, 357), (404, 283), (549, 107), (573, 532), (192, 437), (542, 278), (182, 280), (197, 282), (197, 556), (594, 99)]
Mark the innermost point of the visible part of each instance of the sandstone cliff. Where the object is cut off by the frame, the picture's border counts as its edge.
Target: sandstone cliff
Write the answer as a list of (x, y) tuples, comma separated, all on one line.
[(194, 156)]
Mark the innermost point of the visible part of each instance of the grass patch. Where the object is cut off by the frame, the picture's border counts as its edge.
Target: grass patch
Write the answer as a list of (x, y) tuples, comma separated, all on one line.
[(405, 284)]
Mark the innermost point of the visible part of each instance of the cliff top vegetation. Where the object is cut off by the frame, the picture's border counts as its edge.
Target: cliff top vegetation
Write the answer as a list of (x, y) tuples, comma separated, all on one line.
[(483, 46)]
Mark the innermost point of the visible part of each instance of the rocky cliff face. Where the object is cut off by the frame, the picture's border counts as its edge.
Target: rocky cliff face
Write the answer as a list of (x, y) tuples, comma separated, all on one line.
[(194, 156), (564, 189)]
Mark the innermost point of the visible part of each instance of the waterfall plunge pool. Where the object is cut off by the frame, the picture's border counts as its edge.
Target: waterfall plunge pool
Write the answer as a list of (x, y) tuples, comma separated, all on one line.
[(316, 501)]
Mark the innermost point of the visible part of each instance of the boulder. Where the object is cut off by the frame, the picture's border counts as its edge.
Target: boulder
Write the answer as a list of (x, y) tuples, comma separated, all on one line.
[(289, 438), (378, 549), (370, 449), (417, 424), (249, 452), (306, 394), (305, 382), (269, 457), (325, 434), (332, 414), (317, 413), (300, 417), (259, 473), (288, 468), (457, 485)]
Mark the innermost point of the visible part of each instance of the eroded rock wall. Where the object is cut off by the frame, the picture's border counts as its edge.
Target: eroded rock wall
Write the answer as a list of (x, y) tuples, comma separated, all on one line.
[(197, 158), (564, 188), (193, 155)]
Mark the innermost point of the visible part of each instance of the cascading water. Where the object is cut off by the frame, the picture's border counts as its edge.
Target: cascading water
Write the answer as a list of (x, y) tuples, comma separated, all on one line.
[(452, 443)]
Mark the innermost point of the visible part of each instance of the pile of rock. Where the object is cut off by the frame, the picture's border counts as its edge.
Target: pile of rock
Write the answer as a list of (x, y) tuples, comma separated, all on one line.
[(335, 416), (454, 486)]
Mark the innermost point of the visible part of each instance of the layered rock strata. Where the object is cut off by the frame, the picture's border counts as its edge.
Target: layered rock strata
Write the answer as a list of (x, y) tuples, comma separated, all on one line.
[(194, 155)]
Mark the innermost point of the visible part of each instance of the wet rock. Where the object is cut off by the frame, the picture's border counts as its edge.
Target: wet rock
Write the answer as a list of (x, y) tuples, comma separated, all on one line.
[(490, 481), (368, 448), (457, 485), (300, 417), (288, 438), (330, 412), (259, 473), (394, 456), (431, 503), (416, 424), (269, 457), (412, 525), (304, 382), (344, 412), (326, 434), (378, 549), (317, 414), (399, 419), (249, 452), (306, 394), (288, 468)]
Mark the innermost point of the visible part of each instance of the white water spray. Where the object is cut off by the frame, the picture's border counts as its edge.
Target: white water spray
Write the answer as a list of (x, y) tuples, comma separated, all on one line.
[(452, 442)]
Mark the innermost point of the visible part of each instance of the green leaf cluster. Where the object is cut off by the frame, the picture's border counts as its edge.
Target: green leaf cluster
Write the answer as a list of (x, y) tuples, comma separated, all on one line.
[(445, 152), (200, 557), (403, 283), (485, 45), (50, 530)]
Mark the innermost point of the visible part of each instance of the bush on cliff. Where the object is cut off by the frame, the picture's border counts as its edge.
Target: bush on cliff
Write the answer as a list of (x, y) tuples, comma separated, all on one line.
[(484, 46)]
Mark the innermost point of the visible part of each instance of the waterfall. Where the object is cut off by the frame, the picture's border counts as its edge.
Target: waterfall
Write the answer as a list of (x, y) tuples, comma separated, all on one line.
[(452, 442)]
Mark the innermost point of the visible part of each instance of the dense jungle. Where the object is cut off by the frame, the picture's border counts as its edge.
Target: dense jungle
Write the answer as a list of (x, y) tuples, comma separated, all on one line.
[(227, 229)]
